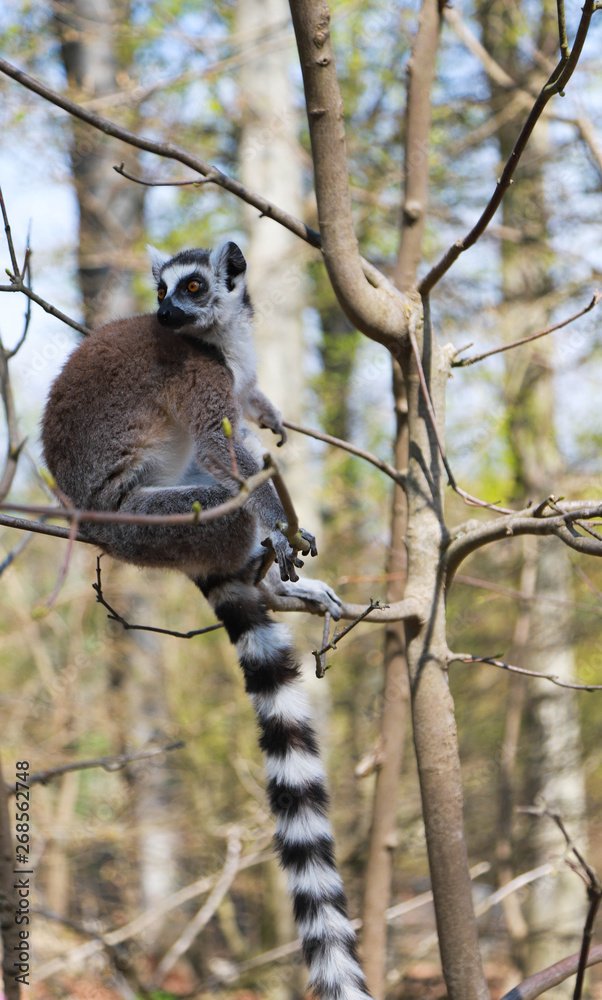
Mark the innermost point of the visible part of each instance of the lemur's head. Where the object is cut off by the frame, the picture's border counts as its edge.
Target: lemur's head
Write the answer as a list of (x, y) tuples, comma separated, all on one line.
[(200, 289)]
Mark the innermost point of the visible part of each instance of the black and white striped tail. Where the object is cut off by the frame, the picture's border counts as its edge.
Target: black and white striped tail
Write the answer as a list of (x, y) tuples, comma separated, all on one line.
[(296, 788)]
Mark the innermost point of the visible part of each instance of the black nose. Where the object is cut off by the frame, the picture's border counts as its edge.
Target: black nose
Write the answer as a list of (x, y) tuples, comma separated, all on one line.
[(172, 316)]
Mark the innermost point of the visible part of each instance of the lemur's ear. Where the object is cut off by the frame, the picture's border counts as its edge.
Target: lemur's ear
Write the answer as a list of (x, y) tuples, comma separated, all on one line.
[(228, 259), (157, 259)]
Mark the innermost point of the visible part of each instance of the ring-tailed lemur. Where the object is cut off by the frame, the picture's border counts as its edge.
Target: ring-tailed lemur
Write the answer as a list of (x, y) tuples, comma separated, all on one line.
[(133, 418)]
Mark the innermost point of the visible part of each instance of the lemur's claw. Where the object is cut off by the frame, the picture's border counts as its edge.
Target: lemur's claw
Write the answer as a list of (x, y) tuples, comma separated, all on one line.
[(309, 541)]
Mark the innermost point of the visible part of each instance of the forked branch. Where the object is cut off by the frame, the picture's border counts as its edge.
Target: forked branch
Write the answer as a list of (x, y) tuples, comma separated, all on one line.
[(530, 521)]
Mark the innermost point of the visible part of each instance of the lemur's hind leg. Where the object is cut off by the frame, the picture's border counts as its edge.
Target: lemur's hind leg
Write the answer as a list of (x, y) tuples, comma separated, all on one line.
[(227, 541)]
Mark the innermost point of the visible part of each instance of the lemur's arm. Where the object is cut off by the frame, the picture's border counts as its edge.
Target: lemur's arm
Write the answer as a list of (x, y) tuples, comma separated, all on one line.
[(263, 412), (204, 414)]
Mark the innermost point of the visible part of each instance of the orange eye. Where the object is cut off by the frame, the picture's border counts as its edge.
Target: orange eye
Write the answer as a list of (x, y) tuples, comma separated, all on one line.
[(161, 293), (193, 286)]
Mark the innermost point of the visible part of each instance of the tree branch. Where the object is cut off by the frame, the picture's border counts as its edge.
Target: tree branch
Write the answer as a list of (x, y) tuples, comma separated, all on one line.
[(379, 463), (248, 486), (533, 336), (555, 84), (492, 661), (116, 617), (381, 313), (116, 763), (170, 151), (20, 286), (319, 654), (530, 521)]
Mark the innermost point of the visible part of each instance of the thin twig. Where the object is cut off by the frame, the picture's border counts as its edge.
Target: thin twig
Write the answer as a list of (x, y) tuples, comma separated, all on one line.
[(195, 181), (116, 617), (20, 286), (554, 975), (398, 476), (533, 336), (375, 278), (164, 149), (116, 763), (492, 661), (14, 553), (27, 272), (321, 668), (9, 239)]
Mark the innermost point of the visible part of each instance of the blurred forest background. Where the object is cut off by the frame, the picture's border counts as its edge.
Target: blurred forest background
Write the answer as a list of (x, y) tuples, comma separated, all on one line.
[(222, 80)]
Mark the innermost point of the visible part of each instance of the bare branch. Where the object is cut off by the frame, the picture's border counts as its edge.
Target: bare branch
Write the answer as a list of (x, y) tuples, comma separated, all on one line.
[(116, 617), (375, 278), (321, 668), (524, 98), (39, 527), (14, 553), (556, 83), (492, 661), (381, 313), (399, 611), (533, 336), (103, 516), (20, 286), (195, 181), (555, 974), (379, 463), (167, 150), (530, 521), (116, 763), (9, 238)]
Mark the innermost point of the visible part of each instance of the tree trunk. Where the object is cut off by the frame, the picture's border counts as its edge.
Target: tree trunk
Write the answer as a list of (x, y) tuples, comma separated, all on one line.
[(110, 207), (434, 726), (270, 162)]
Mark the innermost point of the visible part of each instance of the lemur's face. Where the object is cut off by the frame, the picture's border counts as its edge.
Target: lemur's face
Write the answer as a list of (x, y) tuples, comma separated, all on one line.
[(197, 288)]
